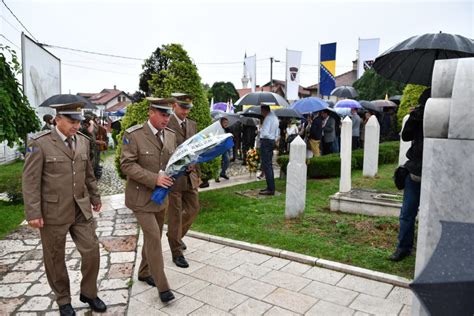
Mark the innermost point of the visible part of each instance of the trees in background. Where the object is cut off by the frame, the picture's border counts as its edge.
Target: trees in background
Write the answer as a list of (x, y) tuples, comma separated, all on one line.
[(17, 117)]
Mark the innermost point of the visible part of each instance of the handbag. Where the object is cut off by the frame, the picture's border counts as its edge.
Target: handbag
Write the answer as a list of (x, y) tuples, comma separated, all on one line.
[(399, 176)]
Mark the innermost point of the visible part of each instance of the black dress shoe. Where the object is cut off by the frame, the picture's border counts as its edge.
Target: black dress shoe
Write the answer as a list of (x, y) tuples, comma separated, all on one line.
[(183, 245), (181, 262), (217, 180), (96, 304), (166, 296), (66, 310), (204, 185), (149, 280), (262, 190), (399, 254), (267, 192), (225, 177)]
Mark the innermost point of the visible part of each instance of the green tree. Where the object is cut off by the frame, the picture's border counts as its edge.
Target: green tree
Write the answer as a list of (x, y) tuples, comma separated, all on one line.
[(372, 86), (411, 93), (179, 75), (223, 91), (17, 117), (152, 65)]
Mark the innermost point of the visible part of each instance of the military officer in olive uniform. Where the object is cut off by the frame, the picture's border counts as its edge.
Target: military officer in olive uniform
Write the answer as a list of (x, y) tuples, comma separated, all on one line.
[(58, 189), (146, 149), (183, 198)]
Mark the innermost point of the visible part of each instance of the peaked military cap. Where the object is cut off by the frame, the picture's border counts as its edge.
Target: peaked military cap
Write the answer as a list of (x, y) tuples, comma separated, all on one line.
[(162, 104), (184, 100), (72, 110)]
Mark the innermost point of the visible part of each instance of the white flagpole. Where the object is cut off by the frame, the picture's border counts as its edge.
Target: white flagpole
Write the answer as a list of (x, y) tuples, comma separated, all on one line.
[(286, 75), (319, 69)]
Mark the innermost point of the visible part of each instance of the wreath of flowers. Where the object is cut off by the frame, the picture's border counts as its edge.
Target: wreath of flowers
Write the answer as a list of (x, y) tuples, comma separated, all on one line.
[(252, 160)]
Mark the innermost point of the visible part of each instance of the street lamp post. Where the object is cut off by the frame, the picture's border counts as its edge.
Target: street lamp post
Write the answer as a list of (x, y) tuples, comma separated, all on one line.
[(271, 72)]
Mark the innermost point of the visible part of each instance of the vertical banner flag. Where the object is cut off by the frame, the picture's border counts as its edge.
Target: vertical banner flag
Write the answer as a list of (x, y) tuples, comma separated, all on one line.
[(251, 65), (327, 81), (368, 51), (293, 70)]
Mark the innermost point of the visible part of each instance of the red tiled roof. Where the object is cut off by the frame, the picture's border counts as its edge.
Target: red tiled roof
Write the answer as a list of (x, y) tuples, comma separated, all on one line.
[(117, 106)]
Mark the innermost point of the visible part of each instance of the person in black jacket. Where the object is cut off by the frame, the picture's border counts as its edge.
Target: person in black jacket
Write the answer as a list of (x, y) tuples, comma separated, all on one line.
[(413, 131)]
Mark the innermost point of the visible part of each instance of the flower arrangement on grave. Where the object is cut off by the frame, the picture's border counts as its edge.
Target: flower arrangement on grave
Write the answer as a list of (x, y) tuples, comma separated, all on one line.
[(252, 160)]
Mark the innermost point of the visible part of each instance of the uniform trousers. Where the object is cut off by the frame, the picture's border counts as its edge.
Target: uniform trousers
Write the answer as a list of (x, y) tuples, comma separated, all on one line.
[(53, 238), (183, 208), (152, 254)]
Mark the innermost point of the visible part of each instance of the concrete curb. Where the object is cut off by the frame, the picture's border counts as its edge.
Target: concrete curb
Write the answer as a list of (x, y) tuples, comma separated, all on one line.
[(313, 261)]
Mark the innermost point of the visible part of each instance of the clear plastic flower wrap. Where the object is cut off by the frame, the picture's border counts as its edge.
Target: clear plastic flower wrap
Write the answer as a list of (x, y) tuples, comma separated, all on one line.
[(206, 145)]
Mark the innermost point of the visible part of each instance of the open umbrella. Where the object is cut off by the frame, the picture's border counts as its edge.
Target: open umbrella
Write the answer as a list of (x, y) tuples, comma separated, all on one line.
[(67, 98), (345, 92), (215, 113), (347, 103), (309, 105), (396, 98), (253, 111), (257, 98), (370, 106), (446, 284), (412, 60), (384, 104), (231, 117), (287, 113), (221, 106)]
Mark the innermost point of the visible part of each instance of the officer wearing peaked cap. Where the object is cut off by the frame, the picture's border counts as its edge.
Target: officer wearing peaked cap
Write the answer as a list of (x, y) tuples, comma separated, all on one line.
[(146, 149), (59, 188), (184, 201)]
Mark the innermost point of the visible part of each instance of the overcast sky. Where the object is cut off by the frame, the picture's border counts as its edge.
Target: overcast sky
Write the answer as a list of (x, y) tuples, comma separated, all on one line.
[(219, 32)]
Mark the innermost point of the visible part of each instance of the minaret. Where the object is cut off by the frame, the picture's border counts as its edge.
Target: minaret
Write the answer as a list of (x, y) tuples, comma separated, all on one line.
[(245, 80)]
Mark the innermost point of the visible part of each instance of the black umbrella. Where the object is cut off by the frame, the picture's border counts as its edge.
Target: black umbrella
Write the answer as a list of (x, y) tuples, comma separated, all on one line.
[(288, 113), (345, 92), (232, 118), (412, 61), (446, 284), (257, 98), (67, 98), (249, 121), (370, 106), (396, 98), (253, 111)]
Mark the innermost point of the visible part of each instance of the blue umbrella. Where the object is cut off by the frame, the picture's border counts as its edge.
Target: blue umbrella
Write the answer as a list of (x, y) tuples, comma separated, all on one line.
[(309, 105), (222, 106), (348, 103)]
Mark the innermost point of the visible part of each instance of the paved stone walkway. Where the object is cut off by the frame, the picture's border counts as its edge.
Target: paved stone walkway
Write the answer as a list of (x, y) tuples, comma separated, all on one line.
[(23, 285), (226, 280)]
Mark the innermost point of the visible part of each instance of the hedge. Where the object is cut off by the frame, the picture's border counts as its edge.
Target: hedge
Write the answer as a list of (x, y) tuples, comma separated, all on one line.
[(329, 166)]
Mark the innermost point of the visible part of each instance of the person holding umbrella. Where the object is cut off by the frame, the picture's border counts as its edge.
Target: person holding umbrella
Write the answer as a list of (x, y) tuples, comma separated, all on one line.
[(225, 156), (413, 131), (329, 132), (268, 135), (48, 122)]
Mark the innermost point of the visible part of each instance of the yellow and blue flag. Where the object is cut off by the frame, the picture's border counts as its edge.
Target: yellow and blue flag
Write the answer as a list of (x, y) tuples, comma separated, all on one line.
[(327, 80)]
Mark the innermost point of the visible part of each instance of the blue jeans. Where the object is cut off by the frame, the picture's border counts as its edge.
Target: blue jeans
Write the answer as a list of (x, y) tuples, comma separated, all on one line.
[(266, 153), (224, 163), (408, 212)]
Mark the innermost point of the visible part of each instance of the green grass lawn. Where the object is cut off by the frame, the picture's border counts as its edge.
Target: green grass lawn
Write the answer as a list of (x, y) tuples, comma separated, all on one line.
[(358, 240), (11, 214)]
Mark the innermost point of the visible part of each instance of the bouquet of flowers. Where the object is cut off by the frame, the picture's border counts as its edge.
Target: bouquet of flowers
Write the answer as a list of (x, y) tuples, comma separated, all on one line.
[(252, 160), (206, 145)]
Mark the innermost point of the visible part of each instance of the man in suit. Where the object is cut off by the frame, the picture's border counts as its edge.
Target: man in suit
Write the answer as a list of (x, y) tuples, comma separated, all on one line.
[(268, 135), (183, 198), (146, 149), (58, 189), (329, 132)]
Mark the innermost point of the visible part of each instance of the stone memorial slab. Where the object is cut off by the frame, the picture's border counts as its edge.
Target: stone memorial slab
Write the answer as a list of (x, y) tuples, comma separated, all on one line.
[(296, 180), (371, 147)]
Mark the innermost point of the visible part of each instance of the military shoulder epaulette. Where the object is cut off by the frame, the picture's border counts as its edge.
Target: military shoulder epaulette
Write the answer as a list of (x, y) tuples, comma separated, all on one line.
[(41, 134), (134, 128), (169, 130), (82, 134)]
